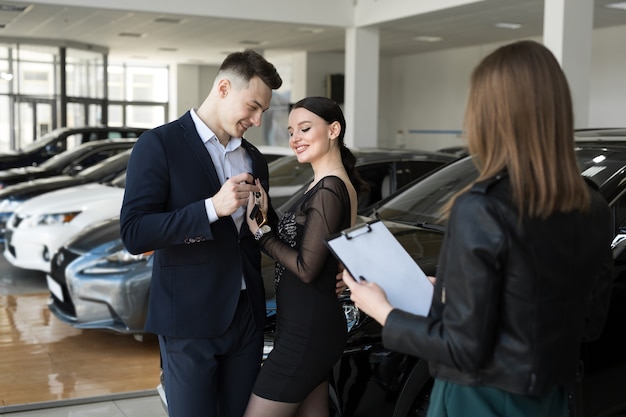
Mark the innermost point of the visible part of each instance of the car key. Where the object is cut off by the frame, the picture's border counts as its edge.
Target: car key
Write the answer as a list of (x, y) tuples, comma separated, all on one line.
[(254, 212)]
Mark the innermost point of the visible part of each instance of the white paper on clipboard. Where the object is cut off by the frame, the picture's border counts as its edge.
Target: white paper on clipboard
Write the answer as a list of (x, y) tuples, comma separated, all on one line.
[(372, 251)]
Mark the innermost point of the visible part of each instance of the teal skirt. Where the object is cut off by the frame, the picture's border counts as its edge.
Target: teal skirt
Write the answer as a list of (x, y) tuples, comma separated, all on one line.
[(455, 400)]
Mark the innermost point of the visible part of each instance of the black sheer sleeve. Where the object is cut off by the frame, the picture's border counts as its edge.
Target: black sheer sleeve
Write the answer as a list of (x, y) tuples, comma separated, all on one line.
[(322, 214)]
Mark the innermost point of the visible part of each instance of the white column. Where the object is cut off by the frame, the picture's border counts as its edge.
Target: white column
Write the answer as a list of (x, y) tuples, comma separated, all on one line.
[(361, 87), (567, 32)]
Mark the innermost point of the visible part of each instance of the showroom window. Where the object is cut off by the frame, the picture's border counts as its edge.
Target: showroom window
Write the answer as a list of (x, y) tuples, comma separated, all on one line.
[(84, 74), (137, 96), (34, 101)]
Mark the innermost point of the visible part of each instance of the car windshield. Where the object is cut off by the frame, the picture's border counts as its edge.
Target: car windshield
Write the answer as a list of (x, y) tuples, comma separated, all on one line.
[(422, 202), (103, 165), (43, 140), (119, 181), (65, 158), (287, 171)]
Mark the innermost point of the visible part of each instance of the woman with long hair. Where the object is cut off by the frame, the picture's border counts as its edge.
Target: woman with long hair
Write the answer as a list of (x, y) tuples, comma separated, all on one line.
[(311, 326), (525, 269)]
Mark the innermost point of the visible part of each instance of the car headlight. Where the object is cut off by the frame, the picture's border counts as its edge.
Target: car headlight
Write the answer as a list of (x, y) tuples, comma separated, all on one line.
[(118, 262), (352, 312), (125, 257), (51, 219), (353, 315)]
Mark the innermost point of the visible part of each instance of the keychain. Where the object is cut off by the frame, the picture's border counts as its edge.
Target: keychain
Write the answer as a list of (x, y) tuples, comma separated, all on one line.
[(256, 213)]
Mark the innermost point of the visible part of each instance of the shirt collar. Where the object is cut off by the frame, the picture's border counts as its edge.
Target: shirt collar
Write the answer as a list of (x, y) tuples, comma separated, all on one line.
[(207, 135)]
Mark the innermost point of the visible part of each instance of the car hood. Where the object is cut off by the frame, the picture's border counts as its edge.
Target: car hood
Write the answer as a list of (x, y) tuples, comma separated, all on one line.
[(69, 199), (19, 172), (99, 236), (10, 155), (39, 186)]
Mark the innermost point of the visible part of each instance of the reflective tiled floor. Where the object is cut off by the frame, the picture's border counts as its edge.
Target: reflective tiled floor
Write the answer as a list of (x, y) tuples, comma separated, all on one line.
[(142, 406), (49, 369)]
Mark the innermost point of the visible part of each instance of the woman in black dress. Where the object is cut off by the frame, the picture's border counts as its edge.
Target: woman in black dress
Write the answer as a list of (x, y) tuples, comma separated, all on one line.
[(311, 326)]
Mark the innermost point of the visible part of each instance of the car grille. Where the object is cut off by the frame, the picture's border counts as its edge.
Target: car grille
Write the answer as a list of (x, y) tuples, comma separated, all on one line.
[(57, 272)]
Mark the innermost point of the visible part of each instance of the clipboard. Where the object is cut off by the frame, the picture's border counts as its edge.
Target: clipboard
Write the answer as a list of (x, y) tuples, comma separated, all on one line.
[(372, 252)]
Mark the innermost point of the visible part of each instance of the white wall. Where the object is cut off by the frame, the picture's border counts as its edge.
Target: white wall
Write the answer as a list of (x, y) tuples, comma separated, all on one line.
[(386, 139), (186, 92), (193, 83), (422, 97), (429, 91), (608, 78), (319, 65)]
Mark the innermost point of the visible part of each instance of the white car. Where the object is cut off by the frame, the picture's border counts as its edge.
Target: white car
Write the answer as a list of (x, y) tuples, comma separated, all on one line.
[(42, 224)]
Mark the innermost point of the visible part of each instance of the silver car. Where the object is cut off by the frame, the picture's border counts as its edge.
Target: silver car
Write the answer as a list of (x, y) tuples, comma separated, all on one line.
[(95, 283)]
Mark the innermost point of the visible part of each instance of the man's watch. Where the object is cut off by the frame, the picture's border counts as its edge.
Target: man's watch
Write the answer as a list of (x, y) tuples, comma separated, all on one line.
[(261, 231)]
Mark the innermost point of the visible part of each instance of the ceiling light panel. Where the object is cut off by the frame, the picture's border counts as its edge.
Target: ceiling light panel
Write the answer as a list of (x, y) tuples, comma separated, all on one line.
[(507, 25), (428, 38), (10, 12), (132, 35), (621, 5)]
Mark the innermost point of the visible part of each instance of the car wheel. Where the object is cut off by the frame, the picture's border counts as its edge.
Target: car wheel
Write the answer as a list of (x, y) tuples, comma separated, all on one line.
[(415, 396)]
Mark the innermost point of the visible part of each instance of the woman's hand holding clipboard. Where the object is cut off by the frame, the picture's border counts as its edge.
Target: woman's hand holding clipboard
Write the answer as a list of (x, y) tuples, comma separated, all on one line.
[(372, 255)]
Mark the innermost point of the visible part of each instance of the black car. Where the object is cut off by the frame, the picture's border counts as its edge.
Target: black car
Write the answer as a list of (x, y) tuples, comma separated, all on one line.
[(13, 196), (370, 380), (70, 162), (60, 140), (385, 170)]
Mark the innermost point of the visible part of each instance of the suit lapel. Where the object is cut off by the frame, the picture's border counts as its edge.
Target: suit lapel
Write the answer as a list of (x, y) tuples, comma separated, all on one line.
[(257, 161), (195, 143)]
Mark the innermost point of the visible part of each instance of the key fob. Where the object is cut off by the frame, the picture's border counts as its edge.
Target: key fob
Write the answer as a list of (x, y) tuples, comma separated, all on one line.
[(254, 212)]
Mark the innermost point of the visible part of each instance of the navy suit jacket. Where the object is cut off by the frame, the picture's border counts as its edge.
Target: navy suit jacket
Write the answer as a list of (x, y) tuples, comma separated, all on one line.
[(198, 266)]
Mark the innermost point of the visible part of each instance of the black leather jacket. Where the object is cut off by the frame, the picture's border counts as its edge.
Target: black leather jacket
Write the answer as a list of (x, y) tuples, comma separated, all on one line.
[(513, 299)]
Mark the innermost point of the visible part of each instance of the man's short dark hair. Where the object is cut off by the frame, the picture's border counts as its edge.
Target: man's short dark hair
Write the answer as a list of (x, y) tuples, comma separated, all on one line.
[(248, 64)]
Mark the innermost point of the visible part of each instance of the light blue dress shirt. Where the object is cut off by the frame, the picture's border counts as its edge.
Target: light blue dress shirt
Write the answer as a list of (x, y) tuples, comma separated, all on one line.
[(228, 160)]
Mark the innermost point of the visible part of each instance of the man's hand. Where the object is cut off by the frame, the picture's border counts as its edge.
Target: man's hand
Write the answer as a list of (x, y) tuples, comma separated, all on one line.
[(233, 194)]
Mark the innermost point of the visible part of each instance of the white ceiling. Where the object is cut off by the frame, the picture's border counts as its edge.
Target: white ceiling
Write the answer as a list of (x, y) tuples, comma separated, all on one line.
[(197, 39)]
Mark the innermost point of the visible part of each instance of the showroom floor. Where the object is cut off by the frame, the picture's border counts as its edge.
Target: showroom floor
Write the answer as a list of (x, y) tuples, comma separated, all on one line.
[(50, 369), (142, 406)]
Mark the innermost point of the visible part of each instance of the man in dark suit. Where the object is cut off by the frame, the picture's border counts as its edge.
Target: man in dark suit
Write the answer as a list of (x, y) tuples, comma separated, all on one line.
[(187, 188)]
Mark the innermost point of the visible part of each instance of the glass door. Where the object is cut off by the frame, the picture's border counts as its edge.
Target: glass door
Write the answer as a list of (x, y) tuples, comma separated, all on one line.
[(35, 117)]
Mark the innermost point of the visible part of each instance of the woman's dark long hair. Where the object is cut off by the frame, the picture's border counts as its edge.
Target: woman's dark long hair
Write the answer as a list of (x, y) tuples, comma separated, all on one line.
[(330, 111)]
